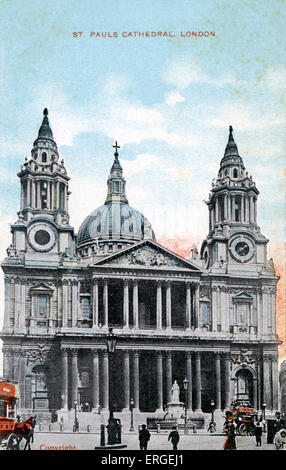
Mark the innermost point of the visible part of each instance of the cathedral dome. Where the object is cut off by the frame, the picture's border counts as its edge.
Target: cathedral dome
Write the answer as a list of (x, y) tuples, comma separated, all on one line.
[(114, 225), (115, 221)]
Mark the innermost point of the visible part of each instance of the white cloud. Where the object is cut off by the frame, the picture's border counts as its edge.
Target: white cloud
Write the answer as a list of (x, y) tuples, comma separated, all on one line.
[(244, 117), (143, 162), (173, 98), (181, 73)]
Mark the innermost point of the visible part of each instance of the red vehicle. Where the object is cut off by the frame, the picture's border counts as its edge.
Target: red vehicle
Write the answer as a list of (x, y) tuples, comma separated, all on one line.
[(243, 418), (14, 435), (8, 399)]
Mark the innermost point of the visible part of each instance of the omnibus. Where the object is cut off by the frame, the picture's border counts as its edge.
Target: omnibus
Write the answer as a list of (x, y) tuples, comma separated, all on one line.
[(8, 398)]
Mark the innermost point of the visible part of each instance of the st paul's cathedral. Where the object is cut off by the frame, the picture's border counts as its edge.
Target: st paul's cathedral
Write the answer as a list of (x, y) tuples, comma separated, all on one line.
[(210, 318)]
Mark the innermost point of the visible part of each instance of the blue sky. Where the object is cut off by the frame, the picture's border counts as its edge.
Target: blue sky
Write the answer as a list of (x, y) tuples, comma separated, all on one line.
[(167, 101)]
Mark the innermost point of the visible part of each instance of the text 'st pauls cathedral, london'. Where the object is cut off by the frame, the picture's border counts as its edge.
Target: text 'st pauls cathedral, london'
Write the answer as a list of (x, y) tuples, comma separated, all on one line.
[(210, 318)]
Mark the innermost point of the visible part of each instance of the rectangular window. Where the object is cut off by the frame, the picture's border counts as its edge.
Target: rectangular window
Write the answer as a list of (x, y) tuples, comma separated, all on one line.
[(42, 305), (85, 307), (205, 314)]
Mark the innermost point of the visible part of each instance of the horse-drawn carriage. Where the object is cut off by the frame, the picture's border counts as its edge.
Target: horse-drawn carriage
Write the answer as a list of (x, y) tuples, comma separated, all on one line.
[(243, 419), (16, 435)]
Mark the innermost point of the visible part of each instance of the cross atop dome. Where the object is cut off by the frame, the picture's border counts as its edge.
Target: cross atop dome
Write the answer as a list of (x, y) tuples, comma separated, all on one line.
[(116, 146)]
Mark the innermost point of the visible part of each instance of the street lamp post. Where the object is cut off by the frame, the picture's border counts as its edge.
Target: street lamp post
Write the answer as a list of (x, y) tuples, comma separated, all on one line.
[(212, 408), (75, 416), (131, 409), (113, 428), (263, 410), (185, 384)]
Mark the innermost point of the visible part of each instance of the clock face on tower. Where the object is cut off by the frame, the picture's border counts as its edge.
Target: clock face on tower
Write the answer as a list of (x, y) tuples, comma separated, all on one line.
[(42, 237), (242, 249)]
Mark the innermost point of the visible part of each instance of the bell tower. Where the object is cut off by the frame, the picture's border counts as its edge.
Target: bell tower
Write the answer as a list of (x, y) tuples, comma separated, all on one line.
[(44, 180), (42, 232), (234, 241)]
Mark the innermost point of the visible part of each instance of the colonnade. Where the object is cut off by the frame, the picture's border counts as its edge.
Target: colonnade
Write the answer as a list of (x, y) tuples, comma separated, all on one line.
[(192, 305), (55, 194), (101, 370), (224, 207)]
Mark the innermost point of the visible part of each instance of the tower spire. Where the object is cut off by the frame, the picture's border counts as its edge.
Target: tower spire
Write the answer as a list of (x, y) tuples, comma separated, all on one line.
[(45, 130), (116, 182)]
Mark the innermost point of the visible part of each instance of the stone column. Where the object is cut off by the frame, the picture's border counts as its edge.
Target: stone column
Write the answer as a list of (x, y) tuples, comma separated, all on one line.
[(33, 195), (233, 208), (226, 313), (265, 311), (159, 382), (126, 380), (125, 304), (65, 302), (64, 379), (227, 379), (52, 195), (95, 380), (189, 378), (255, 210), (225, 207), (159, 306), (267, 386), (105, 302), (6, 364), (74, 376), (135, 305), (17, 303), (251, 211), (48, 194), (169, 380), (21, 377), (7, 281), (217, 382), (216, 210), (168, 305), (242, 210), (136, 379), (214, 308), (105, 380), (75, 300), (38, 195), (197, 307), (273, 310), (275, 382), (95, 302), (198, 386), (188, 306)]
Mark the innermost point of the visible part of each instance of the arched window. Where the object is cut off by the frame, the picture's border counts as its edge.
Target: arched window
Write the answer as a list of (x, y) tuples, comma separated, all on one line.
[(44, 157), (235, 174)]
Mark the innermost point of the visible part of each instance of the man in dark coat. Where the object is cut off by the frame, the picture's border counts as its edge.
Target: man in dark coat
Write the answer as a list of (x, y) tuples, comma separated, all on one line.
[(144, 437), (174, 436), (258, 433)]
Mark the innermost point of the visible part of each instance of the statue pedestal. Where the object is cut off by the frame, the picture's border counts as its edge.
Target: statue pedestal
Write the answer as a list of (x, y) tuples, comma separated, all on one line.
[(175, 410)]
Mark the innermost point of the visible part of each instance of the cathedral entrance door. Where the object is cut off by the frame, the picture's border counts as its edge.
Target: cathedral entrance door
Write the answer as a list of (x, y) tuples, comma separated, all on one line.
[(244, 387)]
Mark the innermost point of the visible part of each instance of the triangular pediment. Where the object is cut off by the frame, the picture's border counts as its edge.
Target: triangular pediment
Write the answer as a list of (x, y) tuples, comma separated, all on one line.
[(41, 287), (243, 295), (147, 254)]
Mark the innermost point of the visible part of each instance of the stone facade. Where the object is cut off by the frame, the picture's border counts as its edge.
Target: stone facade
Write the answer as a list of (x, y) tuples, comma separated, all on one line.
[(210, 318)]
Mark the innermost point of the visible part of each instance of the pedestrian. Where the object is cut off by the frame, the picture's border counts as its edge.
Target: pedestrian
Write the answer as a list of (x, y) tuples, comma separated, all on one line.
[(230, 443), (258, 433), (280, 439), (174, 437), (212, 427), (144, 437)]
